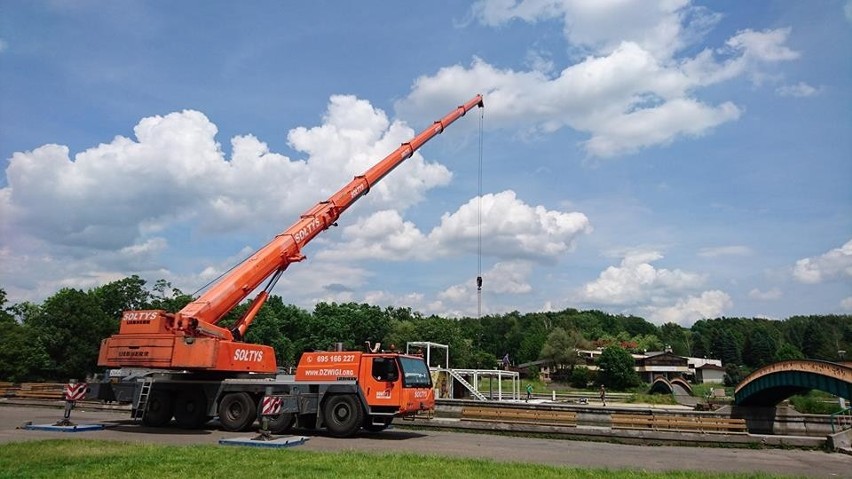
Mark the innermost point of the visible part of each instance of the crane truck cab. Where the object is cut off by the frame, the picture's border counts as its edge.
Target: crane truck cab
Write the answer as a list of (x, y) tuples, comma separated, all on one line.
[(357, 389), (389, 382)]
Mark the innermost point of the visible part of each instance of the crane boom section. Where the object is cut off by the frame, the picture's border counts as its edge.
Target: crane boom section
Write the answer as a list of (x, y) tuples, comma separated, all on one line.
[(286, 247)]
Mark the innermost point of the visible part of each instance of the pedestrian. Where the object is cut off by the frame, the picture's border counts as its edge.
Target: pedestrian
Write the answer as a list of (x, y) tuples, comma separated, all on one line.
[(603, 395), (529, 392)]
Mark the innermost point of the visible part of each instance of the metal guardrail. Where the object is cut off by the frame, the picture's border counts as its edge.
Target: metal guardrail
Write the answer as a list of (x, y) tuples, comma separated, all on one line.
[(679, 422), (520, 416), (843, 418)]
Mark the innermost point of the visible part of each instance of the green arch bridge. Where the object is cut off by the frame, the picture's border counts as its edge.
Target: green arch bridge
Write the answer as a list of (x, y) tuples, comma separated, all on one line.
[(773, 383)]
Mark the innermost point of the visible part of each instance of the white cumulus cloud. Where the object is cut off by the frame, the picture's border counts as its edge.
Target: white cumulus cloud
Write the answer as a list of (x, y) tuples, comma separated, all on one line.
[(513, 229), (710, 304), (502, 279), (661, 295), (769, 295), (767, 46), (800, 89), (115, 207), (835, 264), (636, 281), (659, 27), (632, 90)]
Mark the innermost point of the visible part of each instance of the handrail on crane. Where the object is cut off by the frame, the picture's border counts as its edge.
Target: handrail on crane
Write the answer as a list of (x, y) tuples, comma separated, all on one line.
[(200, 316)]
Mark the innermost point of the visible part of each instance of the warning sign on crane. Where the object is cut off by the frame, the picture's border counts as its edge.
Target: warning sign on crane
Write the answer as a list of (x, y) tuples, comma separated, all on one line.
[(75, 391), (271, 405)]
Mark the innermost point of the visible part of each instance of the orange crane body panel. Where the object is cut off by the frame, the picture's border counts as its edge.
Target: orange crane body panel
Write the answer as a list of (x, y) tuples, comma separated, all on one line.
[(145, 339)]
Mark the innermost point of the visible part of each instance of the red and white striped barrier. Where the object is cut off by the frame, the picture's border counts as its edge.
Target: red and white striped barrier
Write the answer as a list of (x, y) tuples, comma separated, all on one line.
[(271, 405), (75, 391)]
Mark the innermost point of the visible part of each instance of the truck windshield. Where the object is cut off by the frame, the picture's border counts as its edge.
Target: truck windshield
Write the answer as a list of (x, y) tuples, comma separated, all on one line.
[(415, 373)]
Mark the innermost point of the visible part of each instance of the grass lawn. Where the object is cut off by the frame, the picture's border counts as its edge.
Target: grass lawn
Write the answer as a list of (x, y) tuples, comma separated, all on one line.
[(104, 459)]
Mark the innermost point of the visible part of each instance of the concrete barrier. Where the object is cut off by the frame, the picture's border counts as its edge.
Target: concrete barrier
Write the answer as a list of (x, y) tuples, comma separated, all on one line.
[(841, 441), (780, 420)]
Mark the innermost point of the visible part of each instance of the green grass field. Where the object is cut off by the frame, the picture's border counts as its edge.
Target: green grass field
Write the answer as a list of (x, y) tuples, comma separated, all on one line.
[(103, 459)]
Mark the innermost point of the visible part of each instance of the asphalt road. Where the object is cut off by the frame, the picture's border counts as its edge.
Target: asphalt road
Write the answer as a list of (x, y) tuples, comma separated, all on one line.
[(499, 448)]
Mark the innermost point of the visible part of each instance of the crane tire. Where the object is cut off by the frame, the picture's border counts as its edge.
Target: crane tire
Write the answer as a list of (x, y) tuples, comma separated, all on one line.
[(191, 409), (159, 410), (282, 423), (237, 411), (343, 415)]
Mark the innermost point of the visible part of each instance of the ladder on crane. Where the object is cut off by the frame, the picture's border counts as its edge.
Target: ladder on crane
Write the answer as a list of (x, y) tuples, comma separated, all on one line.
[(142, 401)]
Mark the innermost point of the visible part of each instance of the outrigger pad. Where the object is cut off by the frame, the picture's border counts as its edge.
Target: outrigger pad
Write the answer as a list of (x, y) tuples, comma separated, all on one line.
[(288, 441), (55, 428)]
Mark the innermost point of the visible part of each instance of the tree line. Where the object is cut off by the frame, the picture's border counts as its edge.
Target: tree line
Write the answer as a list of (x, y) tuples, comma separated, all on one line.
[(59, 338)]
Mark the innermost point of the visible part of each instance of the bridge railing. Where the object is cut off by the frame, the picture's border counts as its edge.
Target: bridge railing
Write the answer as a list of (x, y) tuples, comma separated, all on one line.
[(842, 419)]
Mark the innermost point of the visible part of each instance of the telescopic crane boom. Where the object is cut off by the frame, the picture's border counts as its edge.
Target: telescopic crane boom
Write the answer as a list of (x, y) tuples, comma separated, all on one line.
[(191, 338)]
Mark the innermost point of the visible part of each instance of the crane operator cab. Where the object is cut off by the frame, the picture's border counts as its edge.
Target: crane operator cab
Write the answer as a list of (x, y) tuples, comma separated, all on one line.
[(389, 383)]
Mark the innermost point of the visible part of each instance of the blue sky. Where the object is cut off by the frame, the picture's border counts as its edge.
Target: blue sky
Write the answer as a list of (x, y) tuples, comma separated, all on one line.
[(675, 160)]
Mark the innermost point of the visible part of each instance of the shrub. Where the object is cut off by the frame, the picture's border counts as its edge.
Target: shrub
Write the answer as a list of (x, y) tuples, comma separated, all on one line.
[(580, 377)]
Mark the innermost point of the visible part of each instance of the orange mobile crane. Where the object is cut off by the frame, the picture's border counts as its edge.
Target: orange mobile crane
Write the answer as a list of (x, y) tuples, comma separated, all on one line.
[(184, 365)]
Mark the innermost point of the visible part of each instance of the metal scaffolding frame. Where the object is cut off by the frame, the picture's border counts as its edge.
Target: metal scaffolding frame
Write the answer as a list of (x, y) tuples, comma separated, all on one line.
[(472, 379)]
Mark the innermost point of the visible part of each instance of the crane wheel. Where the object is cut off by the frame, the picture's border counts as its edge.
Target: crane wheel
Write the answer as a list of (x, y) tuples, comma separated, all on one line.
[(191, 409), (237, 411), (282, 423), (343, 415), (158, 411)]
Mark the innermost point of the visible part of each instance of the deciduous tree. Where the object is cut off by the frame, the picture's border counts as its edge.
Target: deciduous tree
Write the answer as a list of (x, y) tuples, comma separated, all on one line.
[(561, 347), (788, 352), (21, 358), (122, 295), (616, 368), (70, 326)]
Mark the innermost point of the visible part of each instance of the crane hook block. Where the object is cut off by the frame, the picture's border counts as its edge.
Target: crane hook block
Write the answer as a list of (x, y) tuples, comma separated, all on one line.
[(479, 282)]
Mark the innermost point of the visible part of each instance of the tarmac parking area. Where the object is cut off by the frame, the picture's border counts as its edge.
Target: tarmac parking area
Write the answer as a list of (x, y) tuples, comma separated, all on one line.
[(571, 453)]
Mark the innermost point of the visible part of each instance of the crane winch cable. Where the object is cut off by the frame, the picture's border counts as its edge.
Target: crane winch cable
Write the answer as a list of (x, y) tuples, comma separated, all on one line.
[(479, 221)]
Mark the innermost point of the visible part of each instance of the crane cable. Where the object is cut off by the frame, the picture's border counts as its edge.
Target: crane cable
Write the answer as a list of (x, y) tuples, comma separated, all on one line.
[(479, 222)]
